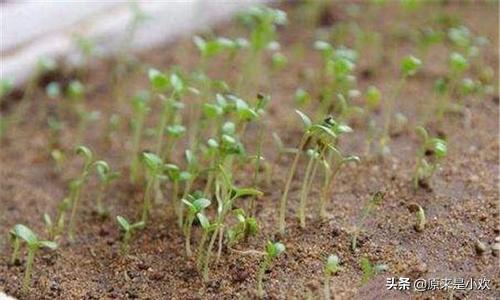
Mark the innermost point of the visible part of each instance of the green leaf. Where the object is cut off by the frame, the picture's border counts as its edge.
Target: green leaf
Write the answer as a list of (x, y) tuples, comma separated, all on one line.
[(152, 161), (158, 80), (26, 234), (177, 83), (305, 119), (48, 244), (332, 264), (85, 152), (241, 192), (274, 249), (201, 203), (205, 224), (410, 65), (439, 146), (125, 225), (422, 133)]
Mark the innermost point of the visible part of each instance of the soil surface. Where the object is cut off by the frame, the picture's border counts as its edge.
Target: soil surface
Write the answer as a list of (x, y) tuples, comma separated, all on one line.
[(462, 203)]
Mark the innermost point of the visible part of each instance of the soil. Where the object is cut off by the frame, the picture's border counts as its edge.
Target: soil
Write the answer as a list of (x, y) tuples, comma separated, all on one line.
[(462, 203)]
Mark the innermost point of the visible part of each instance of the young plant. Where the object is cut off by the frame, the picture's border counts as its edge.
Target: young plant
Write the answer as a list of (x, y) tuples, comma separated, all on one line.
[(55, 228), (323, 134), (370, 270), (154, 169), (59, 158), (106, 176), (195, 204), (409, 66), (367, 210), (77, 184), (246, 226), (273, 250), (331, 268), (201, 257), (429, 155), (177, 176), (21, 232), (128, 230), (140, 109)]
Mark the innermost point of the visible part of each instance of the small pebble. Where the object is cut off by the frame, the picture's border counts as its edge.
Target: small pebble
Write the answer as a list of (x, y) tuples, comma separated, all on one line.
[(480, 247)]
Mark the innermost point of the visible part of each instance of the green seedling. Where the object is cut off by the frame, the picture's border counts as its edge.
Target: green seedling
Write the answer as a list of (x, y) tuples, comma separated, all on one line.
[(140, 109), (262, 22), (45, 65), (154, 169), (370, 270), (77, 184), (273, 250), (128, 230), (324, 134), (331, 268), (195, 205), (21, 232), (176, 176), (367, 210), (226, 194), (55, 228), (429, 155), (245, 227), (106, 176), (409, 66)]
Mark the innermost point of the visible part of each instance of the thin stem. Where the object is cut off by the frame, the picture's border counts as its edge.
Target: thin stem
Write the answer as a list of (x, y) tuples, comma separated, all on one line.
[(291, 173), (260, 275), (303, 196), (15, 251), (29, 266)]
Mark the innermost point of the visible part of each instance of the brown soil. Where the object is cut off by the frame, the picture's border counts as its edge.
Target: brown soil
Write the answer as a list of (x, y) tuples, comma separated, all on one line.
[(462, 206)]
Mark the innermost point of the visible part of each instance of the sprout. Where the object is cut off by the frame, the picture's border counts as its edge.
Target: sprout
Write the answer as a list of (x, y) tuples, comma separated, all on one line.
[(410, 66), (77, 184), (55, 229), (368, 208), (140, 109), (154, 169), (273, 250), (279, 61), (457, 63), (245, 227), (302, 97), (370, 270), (195, 204), (106, 175), (331, 268), (128, 230), (21, 232), (373, 97), (429, 155)]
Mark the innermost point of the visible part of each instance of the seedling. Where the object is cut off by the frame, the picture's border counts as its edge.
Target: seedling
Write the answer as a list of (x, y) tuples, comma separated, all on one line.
[(429, 155), (245, 227), (21, 232), (175, 175), (128, 230), (77, 184), (106, 176), (195, 204), (367, 210), (201, 254), (55, 228), (154, 169), (409, 66), (370, 270), (325, 134), (331, 268), (140, 108), (273, 250)]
